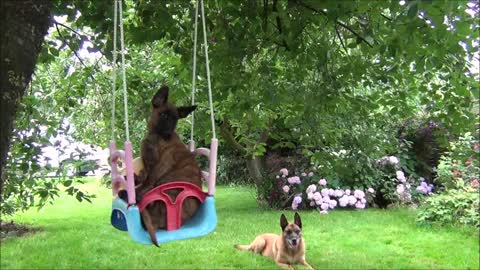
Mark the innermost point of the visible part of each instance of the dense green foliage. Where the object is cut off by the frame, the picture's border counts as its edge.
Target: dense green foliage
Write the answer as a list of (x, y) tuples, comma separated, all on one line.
[(311, 77), (80, 236)]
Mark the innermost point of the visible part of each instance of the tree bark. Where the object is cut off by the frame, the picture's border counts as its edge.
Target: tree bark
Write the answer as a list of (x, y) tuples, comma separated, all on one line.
[(23, 26)]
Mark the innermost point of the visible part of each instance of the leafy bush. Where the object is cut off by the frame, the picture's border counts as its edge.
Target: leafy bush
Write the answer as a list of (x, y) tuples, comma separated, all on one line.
[(452, 206)]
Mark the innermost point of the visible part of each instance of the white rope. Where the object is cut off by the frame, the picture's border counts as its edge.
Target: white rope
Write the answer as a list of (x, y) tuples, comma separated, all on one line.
[(194, 76), (114, 67), (125, 101), (212, 117)]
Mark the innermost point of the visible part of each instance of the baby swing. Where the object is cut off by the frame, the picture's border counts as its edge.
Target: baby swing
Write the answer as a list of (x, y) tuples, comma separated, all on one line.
[(126, 215)]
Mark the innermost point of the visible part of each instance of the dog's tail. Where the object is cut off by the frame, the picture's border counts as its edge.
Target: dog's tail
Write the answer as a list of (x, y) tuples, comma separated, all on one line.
[(147, 221), (242, 247)]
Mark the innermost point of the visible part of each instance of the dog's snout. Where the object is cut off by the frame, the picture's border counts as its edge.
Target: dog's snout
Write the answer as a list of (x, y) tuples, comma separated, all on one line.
[(294, 241)]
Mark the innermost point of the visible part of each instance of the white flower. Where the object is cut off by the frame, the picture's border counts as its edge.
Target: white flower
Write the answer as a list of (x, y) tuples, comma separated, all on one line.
[(286, 189), (310, 195), (322, 182), (310, 174), (393, 160), (401, 176), (371, 190), (400, 189)]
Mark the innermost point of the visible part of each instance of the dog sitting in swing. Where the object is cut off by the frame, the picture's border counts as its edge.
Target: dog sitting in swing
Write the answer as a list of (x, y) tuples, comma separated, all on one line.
[(165, 159)]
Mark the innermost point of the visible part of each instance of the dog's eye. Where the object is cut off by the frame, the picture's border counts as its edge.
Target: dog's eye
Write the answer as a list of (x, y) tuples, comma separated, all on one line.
[(288, 231), (297, 231)]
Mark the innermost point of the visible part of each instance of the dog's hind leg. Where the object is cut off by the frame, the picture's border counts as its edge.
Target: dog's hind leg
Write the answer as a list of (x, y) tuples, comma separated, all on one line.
[(257, 246)]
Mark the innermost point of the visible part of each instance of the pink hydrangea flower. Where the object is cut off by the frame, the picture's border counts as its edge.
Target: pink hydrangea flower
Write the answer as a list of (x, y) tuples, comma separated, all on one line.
[(343, 201), (284, 171), (286, 189), (319, 201), (401, 176), (332, 204), (338, 193), (322, 182), (310, 196), (352, 200), (400, 189), (324, 192), (317, 196), (363, 200), (359, 205), (371, 190), (296, 180), (312, 203), (326, 198), (297, 199), (331, 192), (312, 188), (358, 194), (347, 192), (324, 206)]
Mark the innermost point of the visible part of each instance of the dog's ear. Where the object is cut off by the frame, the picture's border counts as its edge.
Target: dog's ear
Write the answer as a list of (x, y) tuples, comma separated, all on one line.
[(186, 110), (283, 222), (297, 220), (161, 97)]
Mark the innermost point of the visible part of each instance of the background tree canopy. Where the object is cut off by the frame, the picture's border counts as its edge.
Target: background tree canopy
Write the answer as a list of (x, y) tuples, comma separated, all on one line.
[(302, 78)]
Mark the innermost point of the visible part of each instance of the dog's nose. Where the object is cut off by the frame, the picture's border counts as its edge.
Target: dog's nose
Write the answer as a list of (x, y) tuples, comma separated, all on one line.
[(294, 241)]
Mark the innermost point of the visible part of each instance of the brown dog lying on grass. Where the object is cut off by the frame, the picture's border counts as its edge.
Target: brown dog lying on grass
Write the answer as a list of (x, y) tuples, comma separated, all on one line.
[(285, 249), (165, 159)]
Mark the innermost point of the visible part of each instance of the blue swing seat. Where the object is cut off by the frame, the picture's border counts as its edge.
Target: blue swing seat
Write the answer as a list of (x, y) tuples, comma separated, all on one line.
[(126, 218)]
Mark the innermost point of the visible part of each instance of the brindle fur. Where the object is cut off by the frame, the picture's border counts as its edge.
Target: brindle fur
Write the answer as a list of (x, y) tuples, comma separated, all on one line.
[(280, 247), (166, 159)]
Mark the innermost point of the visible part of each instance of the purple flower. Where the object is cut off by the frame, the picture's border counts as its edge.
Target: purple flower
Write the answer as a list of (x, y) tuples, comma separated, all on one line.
[(297, 199), (322, 182)]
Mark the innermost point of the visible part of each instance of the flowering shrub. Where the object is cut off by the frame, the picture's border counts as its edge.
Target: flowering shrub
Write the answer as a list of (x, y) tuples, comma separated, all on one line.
[(396, 187), (461, 166), (307, 191)]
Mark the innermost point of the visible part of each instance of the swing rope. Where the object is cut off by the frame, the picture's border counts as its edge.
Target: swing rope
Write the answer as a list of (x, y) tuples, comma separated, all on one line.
[(194, 76), (118, 12), (114, 67), (205, 45)]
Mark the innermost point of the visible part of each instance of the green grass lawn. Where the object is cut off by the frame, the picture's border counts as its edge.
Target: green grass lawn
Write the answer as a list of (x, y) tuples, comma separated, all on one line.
[(78, 235)]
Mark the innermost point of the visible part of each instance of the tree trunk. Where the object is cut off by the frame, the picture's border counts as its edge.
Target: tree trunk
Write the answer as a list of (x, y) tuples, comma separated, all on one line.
[(255, 170), (24, 24)]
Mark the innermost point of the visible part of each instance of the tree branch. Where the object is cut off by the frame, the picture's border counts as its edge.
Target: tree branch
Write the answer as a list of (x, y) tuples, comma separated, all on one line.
[(341, 40), (225, 129)]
